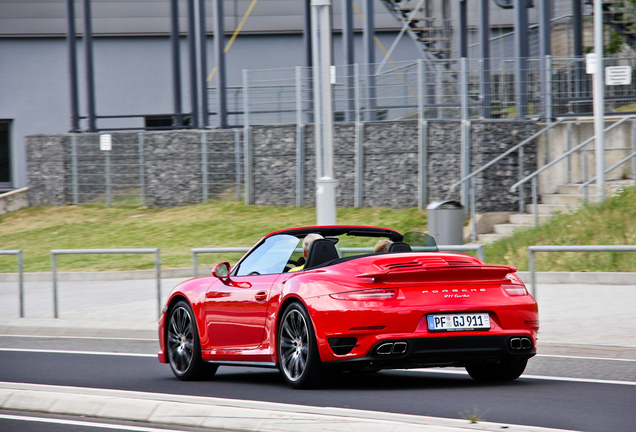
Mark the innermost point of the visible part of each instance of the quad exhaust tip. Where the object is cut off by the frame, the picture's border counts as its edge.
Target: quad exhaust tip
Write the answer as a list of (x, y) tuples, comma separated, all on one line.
[(392, 348), (520, 343)]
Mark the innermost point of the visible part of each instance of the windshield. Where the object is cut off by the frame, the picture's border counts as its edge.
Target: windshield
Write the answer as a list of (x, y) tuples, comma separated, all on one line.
[(270, 257), (420, 242)]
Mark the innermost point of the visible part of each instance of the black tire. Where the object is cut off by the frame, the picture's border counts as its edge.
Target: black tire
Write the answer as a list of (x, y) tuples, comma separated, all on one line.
[(183, 347), (297, 350), (503, 370)]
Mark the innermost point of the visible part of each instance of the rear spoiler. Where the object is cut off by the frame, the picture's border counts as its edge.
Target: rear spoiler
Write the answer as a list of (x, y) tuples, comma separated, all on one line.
[(439, 273)]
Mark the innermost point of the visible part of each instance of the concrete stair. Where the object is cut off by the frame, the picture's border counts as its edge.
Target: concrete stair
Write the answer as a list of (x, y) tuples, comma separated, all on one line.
[(567, 198)]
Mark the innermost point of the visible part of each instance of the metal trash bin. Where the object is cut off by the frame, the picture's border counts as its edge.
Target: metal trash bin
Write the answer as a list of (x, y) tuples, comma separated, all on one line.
[(446, 222)]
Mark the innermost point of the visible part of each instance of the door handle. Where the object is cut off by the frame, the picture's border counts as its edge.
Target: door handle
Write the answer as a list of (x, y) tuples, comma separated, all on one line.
[(261, 296)]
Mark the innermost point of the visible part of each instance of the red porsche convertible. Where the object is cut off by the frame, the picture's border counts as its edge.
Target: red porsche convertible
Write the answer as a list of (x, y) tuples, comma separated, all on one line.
[(347, 308)]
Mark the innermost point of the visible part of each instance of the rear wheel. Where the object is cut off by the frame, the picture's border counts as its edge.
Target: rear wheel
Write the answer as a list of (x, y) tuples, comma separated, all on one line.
[(298, 357), (503, 370), (184, 349)]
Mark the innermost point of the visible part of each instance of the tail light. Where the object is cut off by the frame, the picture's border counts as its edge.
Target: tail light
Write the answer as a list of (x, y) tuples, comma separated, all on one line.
[(370, 294), (515, 290)]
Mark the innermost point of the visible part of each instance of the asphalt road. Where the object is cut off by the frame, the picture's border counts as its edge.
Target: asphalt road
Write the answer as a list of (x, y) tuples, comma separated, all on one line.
[(584, 394)]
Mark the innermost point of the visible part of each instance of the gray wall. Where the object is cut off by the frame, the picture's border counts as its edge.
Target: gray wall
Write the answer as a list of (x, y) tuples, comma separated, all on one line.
[(172, 164)]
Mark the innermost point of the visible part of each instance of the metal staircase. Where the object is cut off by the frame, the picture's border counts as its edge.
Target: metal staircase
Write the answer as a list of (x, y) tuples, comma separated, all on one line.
[(428, 23), (621, 17)]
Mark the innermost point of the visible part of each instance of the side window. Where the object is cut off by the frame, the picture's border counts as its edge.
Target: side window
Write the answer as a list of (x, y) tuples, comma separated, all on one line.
[(270, 257)]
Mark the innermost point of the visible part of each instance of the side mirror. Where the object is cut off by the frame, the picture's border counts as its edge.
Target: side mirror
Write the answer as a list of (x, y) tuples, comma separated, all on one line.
[(222, 270)]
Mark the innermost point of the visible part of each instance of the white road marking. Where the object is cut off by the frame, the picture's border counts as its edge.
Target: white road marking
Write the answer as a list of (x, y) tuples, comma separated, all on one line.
[(585, 358), (537, 377), (77, 337), (85, 423), (102, 353)]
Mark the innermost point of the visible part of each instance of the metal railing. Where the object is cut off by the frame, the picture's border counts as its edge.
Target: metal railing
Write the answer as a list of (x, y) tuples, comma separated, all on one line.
[(20, 257), (468, 178), (532, 265), (534, 176), (56, 252)]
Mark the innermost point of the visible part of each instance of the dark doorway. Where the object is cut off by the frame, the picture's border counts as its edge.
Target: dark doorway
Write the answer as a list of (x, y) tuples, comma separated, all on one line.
[(5, 154)]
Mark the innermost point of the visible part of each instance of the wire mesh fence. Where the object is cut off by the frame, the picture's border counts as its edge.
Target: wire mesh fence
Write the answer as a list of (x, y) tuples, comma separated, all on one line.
[(504, 87), (133, 169)]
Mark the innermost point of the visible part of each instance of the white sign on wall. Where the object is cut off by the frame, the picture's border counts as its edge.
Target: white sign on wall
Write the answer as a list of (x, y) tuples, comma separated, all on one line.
[(105, 142), (618, 75), (590, 63)]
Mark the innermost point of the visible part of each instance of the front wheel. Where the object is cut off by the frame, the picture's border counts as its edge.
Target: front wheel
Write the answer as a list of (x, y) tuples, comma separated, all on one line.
[(298, 357), (503, 370), (183, 346)]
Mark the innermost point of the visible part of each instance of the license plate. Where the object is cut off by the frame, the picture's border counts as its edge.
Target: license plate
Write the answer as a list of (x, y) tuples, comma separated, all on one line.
[(458, 322)]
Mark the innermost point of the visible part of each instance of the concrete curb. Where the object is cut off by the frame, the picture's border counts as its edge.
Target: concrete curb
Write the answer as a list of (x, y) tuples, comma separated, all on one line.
[(593, 278), (225, 414)]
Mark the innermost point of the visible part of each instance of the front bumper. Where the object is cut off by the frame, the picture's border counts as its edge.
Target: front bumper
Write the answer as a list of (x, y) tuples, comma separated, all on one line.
[(439, 351)]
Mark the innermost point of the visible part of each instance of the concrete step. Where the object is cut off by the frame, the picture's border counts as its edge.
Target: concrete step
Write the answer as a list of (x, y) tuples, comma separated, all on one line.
[(573, 189), (567, 199), (549, 209), (489, 238), (527, 219), (509, 228)]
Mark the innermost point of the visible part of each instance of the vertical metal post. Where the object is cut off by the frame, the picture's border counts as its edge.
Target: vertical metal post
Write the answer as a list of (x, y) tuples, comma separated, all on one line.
[(109, 198), (176, 63), (633, 150), (463, 29), (325, 182), (21, 281), (484, 47), (205, 111), (192, 50), (544, 8), (521, 57), (522, 192), (300, 140), (473, 212), (532, 268), (219, 57), (599, 100), (247, 146), (359, 145), (142, 168), (568, 142), (54, 276), (422, 140), (348, 45), (204, 167), (369, 57), (579, 69), (465, 130), (158, 274), (90, 72), (535, 201), (74, 178), (71, 41), (195, 264), (237, 159)]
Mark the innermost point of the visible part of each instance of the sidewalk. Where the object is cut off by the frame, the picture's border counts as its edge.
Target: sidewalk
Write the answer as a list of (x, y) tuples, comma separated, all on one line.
[(589, 320)]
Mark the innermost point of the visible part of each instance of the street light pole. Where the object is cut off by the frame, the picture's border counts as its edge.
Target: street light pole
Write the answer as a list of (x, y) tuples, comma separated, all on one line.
[(599, 100), (323, 108)]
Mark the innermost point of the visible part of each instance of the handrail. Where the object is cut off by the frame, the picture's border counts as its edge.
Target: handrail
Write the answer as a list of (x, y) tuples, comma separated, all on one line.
[(506, 153), (566, 154), (610, 169)]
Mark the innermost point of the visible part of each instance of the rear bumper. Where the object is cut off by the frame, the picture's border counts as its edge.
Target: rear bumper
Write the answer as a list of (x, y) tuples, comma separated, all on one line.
[(440, 351)]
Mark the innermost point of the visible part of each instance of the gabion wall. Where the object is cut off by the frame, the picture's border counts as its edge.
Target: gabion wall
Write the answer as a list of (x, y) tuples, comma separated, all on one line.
[(168, 168)]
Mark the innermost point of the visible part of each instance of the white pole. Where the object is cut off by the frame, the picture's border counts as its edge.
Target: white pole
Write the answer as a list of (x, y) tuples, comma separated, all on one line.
[(599, 100), (323, 109)]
